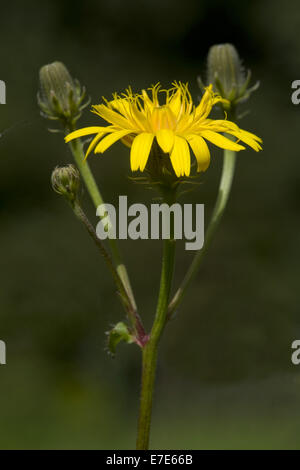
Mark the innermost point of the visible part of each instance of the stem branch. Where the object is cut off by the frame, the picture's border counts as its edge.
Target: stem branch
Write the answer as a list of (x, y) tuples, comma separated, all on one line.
[(223, 194), (84, 168), (130, 310)]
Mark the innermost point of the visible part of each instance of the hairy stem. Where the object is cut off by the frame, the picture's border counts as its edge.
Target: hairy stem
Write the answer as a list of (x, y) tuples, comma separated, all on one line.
[(132, 313), (89, 180), (151, 349)]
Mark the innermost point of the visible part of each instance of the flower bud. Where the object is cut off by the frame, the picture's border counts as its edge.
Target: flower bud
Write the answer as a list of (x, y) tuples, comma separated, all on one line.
[(66, 181), (60, 96), (227, 75)]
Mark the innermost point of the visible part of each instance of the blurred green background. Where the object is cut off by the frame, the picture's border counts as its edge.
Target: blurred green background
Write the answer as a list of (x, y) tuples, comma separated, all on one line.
[(225, 378)]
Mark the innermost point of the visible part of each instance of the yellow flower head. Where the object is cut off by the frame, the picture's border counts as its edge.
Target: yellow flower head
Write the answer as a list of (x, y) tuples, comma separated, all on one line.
[(177, 125)]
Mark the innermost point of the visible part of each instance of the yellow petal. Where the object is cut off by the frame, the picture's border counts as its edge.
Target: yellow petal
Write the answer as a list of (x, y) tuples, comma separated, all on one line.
[(221, 141), (130, 111), (94, 143), (127, 140), (138, 119), (165, 139), (83, 132), (205, 103), (163, 118), (248, 138), (122, 105), (110, 140), (201, 151), (220, 125), (140, 150), (252, 136), (180, 157), (208, 100), (231, 128), (175, 102), (147, 100), (111, 116)]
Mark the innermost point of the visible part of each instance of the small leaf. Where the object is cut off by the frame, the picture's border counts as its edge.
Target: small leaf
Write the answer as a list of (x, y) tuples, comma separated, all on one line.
[(119, 333)]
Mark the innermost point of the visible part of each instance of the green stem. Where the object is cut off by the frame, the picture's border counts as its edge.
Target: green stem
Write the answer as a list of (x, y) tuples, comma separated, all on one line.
[(78, 154), (223, 194), (119, 284), (151, 348)]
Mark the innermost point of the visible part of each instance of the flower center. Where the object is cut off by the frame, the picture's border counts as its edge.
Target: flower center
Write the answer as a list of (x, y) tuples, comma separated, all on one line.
[(163, 118)]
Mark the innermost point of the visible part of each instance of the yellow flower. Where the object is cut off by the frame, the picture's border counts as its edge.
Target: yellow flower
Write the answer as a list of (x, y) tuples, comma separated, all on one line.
[(177, 125)]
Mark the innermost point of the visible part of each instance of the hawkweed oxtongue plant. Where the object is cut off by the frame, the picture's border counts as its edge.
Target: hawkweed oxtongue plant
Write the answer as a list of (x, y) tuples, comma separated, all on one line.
[(164, 130)]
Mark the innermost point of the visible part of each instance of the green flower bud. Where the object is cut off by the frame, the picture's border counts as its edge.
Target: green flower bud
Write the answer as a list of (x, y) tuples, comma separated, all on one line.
[(227, 75), (66, 182), (60, 96)]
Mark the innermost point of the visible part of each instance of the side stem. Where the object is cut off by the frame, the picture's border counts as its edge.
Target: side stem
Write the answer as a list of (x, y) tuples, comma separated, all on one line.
[(223, 195), (132, 313), (89, 180)]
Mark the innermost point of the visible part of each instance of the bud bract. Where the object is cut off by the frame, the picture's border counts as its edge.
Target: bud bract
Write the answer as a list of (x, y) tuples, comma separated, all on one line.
[(227, 75), (60, 96)]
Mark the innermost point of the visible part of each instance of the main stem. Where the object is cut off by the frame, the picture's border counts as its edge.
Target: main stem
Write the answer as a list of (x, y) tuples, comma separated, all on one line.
[(78, 154), (150, 350)]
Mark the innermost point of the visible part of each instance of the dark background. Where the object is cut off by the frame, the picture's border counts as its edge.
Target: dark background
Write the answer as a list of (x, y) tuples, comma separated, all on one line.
[(225, 378)]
